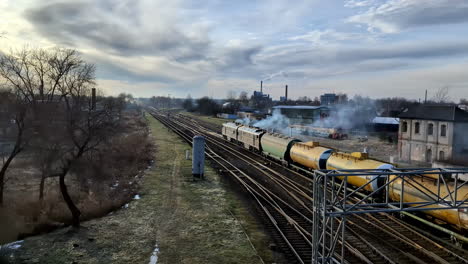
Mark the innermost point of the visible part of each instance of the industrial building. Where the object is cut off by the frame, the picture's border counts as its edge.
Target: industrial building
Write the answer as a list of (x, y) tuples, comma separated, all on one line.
[(328, 99), (433, 132), (302, 114)]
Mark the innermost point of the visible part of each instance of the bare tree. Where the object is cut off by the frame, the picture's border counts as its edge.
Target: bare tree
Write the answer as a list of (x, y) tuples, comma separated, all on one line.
[(244, 98), (188, 103), (85, 127), (13, 113), (442, 95), (35, 76), (56, 85), (231, 95)]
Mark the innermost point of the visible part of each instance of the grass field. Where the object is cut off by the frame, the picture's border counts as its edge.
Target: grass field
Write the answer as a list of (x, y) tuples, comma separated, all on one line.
[(213, 120), (176, 219)]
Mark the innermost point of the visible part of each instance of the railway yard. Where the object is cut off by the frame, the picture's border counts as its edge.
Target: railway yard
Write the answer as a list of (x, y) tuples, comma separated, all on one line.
[(234, 132), (283, 199)]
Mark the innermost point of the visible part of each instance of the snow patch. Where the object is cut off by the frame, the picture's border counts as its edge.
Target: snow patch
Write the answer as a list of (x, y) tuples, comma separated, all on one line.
[(13, 245), (137, 197), (154, 256)]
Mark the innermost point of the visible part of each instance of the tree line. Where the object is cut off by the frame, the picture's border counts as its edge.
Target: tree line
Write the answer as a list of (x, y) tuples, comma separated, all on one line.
[(47, 109)]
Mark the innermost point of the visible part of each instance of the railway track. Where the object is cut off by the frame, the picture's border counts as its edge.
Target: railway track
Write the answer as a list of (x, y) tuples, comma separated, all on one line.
[(283, 199)]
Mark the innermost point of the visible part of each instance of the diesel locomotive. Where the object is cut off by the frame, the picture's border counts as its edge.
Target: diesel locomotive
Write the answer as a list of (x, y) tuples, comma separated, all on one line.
[(311, 155)]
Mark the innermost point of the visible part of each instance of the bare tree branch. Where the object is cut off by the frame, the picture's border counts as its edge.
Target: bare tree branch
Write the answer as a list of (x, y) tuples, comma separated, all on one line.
[(442, 95)]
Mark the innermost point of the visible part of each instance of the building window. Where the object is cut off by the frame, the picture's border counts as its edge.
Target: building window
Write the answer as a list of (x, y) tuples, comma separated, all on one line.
[(429, 155), (416, 128), (443, 130), (430, 129), (441, 155), (404, 127)]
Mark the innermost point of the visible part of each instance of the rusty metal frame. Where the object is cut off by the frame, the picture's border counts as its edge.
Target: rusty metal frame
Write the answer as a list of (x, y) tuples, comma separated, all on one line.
[(333, 201)]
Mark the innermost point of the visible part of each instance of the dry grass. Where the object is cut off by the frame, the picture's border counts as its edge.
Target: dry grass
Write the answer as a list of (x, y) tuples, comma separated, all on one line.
[(210, 119), (189, 221), (97, 185)]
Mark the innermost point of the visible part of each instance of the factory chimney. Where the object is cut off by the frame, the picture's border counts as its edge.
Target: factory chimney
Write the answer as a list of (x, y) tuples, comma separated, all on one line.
[(261, 86), (286, 93), (93, 99)]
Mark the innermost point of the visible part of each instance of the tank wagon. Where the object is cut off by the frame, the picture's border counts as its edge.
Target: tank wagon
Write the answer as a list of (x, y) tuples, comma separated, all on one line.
[(277, 146), (355, 161), (457, 217), (312, 156)]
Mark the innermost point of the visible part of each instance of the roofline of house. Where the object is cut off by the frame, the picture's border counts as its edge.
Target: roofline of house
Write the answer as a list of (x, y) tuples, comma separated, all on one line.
[(435, 119)]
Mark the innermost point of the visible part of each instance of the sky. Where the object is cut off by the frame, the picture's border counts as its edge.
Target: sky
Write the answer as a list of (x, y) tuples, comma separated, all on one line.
[(179, 47)]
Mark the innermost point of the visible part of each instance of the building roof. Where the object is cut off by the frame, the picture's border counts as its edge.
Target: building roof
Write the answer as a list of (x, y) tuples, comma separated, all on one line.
[(386, 120), (436, 112), (298, 107), (253, 130)]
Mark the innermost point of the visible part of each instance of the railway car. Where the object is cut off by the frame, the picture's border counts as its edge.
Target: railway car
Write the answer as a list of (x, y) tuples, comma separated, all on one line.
[(354, 161), (310, 155), (277, 146), (412, 194), (229, 131), (250, 137)]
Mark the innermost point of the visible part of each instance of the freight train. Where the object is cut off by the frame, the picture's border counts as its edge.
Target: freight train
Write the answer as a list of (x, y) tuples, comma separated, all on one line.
[(311, 155)]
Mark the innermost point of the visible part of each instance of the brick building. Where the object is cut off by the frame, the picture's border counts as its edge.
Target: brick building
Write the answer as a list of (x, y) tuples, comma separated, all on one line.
[(433, 132)]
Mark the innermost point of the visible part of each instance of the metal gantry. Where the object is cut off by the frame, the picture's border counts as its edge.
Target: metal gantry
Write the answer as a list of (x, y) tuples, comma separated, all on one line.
[(334, 201)]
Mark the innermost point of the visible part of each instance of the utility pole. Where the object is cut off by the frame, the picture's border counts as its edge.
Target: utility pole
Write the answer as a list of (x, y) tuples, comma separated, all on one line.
[(93, 99), (425, 97)]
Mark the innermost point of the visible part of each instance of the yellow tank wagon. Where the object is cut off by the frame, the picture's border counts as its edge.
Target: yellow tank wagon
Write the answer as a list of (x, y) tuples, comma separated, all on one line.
[(310, 154), (456, 217), (358, 161)]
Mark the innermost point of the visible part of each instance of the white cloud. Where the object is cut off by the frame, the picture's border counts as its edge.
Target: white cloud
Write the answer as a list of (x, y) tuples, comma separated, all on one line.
[(401, 83), (328, 36), (397, 15), (147, 89), (150, 47), (358, 3)]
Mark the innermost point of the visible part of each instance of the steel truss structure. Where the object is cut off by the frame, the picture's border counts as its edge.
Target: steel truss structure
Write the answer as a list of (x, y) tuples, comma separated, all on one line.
[(333, 200)]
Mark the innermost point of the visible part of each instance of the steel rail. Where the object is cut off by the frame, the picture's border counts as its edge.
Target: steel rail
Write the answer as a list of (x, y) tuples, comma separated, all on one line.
[(297, 226), (253, 192)]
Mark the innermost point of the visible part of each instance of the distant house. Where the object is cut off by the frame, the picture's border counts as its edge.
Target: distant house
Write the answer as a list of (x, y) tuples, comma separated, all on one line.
[(387, 124), (433, 132)]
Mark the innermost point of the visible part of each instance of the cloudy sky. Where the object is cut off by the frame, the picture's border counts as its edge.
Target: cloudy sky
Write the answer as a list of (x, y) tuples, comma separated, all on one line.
[(157, 47)]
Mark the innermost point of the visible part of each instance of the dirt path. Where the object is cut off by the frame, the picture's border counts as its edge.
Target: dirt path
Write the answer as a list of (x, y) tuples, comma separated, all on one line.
[(173, 220)]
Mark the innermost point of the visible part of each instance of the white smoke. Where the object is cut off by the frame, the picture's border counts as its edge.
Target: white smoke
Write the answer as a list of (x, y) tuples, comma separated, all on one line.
[(245, 121), (274, 75), (274, 123), (341, 117), (355, 115)]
